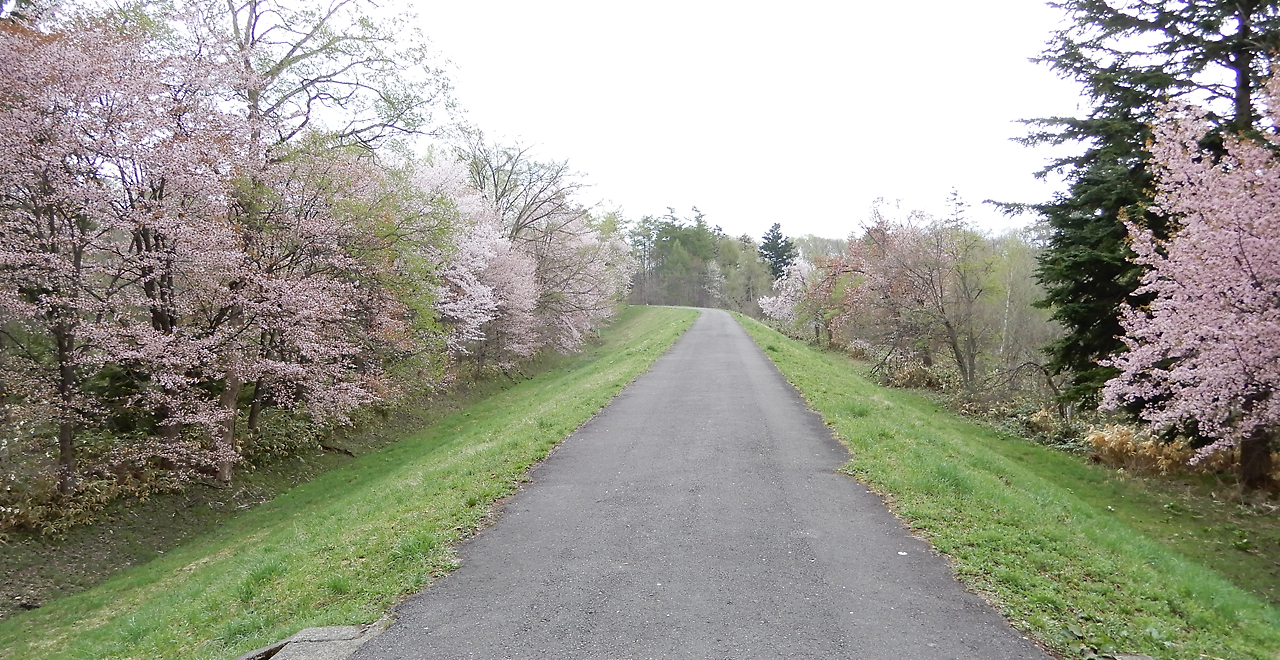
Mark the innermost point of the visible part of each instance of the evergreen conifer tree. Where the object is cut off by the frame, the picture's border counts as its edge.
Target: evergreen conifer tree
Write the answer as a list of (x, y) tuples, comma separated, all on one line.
[(778, 251)]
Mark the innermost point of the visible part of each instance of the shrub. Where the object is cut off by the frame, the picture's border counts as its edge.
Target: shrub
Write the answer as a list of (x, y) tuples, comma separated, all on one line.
[(1136, 450)]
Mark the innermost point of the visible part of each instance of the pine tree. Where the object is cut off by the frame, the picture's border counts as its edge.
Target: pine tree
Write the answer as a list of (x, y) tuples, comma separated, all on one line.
[(1131, 56), (777, 250)]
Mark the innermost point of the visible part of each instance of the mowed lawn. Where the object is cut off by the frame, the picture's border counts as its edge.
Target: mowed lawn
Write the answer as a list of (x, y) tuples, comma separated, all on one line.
[(344, 547), (1043, 535)]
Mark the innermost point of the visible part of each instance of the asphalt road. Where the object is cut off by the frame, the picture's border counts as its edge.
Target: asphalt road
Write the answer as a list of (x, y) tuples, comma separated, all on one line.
[(699, 516)]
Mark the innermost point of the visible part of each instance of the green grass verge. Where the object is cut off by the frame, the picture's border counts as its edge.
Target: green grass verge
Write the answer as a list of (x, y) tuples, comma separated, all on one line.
[(342, 548), (1026, 527)]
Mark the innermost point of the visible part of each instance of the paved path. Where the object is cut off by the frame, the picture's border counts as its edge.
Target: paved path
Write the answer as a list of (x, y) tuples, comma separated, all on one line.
[(699, 516)]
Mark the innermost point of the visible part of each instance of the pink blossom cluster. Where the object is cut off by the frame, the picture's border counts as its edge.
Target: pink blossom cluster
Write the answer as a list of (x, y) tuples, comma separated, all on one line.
[(506, 294), (115, 194), (1207, 348), (488, 291)]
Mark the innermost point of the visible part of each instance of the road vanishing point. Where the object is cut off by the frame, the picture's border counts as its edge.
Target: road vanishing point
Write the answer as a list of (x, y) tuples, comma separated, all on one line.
[(699, 515)]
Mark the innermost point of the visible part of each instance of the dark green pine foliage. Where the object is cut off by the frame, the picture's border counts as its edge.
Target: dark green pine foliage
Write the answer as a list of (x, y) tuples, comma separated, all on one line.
[(1131, 56), (778, 251)]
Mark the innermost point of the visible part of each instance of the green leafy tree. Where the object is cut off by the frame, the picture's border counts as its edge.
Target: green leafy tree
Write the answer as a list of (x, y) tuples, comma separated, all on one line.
[(778, 251), (1131, 56), (746, 277), (684, 249)]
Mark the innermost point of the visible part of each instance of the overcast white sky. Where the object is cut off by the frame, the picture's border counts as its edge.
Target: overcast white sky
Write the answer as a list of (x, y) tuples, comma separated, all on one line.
[(800, 113)]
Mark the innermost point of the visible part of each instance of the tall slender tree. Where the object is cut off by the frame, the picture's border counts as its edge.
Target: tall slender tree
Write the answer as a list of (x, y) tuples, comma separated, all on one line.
[(778, 250)]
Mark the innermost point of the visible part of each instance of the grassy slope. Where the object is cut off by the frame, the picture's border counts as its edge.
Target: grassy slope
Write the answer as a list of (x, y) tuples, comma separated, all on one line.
[(37, 568), (342, 548), (1026, 527)]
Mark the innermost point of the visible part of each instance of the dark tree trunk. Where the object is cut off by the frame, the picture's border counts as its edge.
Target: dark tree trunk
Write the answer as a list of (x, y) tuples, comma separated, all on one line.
[(1255, 462), (230, 394), (255, 407), (66, 456), (170, 432), (65, 338), (1242, 62), (953, 340)]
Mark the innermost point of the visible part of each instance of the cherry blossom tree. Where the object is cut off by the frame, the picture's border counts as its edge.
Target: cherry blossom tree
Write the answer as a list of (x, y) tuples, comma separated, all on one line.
[(513, 333), (117, 159), (314, 311), (488, 292), (929, 281), (51, 285), (1206, 351), (913, 284), (582, 269), (789, 294)]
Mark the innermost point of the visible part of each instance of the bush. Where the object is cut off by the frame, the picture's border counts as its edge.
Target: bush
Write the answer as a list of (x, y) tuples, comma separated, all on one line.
[(859, 349), (1136, 450), (281, 433), (911, 373), (1124, 447), (111, 466)]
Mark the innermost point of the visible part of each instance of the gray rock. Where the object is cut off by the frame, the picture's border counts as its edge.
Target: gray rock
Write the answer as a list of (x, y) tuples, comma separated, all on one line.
[(327, 634), (339, 649), (323, 643), (263, 653)]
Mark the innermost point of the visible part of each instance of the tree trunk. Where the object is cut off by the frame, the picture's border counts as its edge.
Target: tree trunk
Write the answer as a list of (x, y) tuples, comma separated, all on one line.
[(230, 394), (66, 455), (953, 340), (1242, 63), (1255, 462), (255, 407), (65, 338), (971, 357)]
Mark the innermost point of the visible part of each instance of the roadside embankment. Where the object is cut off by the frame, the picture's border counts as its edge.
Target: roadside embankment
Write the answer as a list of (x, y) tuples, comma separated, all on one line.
[(1025, 528)]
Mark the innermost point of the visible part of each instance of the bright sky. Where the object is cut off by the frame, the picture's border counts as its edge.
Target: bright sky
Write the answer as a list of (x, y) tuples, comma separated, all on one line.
[(800, 113)]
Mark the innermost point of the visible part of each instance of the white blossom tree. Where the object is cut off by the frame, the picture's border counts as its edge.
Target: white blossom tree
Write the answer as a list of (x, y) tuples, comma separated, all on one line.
[(116, 178)]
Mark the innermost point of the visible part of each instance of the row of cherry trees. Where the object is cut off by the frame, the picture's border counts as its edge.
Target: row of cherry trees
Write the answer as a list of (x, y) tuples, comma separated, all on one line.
[(185, 246)]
